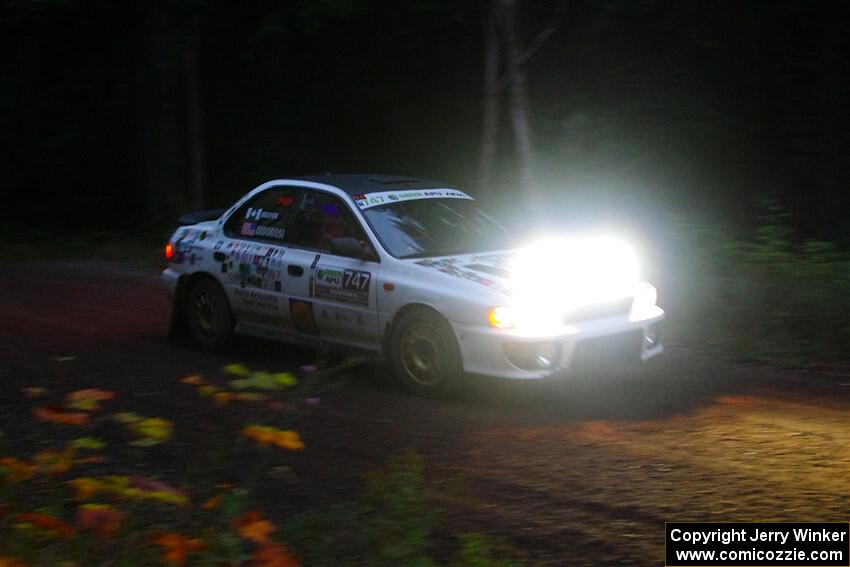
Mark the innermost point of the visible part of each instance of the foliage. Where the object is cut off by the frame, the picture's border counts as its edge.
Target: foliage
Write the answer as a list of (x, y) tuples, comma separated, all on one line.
[(392, 523), (767, 298), (477, 551), (399, 517), (67, 504)]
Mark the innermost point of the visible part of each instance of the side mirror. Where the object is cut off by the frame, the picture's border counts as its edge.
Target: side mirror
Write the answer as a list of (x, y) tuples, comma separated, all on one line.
[(351, 248)]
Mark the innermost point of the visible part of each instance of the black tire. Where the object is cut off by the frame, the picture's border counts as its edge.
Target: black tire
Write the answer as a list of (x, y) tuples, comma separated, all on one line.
[(208, 315), (424, 353)]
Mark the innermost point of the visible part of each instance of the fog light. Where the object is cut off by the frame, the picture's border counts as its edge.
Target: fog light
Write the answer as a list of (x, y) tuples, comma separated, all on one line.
[(652, 336), (532, 356)]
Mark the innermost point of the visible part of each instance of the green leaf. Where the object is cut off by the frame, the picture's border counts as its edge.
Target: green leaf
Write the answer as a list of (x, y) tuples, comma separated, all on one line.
[(88, 443), (263, 380), (236, 370), (146, 442)]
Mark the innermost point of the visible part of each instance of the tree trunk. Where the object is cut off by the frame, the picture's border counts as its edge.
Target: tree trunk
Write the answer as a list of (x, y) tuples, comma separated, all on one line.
[(490, 124), (195, 127), (518, 95), (165, 157)]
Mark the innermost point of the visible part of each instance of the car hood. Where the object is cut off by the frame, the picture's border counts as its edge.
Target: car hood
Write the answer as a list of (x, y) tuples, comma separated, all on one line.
[(491, 270)]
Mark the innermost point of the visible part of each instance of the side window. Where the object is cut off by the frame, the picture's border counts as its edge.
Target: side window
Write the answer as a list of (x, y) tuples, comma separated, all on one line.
[(265, 216), (321, 218)]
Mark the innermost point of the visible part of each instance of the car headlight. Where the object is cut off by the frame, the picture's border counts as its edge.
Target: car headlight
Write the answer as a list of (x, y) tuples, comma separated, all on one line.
[(558, 276), (561, 274)]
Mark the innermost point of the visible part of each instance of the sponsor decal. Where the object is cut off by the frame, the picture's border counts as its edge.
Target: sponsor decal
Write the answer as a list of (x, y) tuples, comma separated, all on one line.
[(367, 200), (259, 268), (349, 286), (184, 245), (330, 277), (257, 300), (260, 214), (301, 314), (452, 267)]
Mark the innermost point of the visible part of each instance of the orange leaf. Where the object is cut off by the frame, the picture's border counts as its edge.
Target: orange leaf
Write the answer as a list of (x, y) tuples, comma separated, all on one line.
[(222, 398), (177, 546), (47, 522), (102, 519), (85, 487), (55, 463), (88, 399), (265, 435), (275, 555), (18, 470), (252, 526), (60, 417), (194, 380), (212, 503)]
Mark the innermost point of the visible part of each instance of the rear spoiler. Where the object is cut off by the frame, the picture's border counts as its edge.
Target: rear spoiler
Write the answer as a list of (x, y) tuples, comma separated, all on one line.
[(200, 216)]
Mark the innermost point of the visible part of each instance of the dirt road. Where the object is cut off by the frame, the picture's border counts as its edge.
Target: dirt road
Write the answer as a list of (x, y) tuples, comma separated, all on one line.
[(580, 473)]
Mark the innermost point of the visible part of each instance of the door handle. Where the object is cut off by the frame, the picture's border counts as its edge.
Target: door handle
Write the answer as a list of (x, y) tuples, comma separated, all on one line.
[(219, 256), (294, 270)]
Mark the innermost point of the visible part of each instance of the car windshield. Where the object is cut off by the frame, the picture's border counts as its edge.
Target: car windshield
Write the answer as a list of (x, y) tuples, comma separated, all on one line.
[(436, 227)]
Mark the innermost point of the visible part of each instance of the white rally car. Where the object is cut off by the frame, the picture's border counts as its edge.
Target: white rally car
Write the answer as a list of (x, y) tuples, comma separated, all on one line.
[(409, 269)]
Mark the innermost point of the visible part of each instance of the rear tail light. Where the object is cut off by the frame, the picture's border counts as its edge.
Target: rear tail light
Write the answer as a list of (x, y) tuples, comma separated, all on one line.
[(169, 252)]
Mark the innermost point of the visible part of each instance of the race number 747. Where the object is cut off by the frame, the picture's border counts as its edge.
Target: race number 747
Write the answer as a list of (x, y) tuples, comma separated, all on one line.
[(356, 280)]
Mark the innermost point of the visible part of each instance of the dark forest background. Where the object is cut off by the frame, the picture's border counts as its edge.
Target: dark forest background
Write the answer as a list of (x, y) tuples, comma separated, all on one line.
[(121, 115)]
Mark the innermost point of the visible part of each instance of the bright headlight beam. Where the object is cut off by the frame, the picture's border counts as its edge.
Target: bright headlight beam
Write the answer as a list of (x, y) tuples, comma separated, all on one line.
[(554, 276)]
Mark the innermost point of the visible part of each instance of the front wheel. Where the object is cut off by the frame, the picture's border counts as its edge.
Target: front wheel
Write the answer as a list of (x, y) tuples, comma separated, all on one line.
[(209, 317), (424, 352)]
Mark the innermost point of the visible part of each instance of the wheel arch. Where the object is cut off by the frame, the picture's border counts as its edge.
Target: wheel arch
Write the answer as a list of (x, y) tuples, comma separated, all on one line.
[(178, 327), (386, 341)]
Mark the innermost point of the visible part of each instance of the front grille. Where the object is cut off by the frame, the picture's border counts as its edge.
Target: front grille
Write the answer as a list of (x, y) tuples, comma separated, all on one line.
[(610, 350), (599, 310)]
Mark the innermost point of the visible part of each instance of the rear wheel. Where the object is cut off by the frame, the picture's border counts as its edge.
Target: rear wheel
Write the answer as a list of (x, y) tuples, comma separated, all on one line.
[(425, 355), (209, 317)]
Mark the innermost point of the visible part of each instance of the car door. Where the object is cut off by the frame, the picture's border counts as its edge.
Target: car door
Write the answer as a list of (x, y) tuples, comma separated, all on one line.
[(339, 301), (251, 258)]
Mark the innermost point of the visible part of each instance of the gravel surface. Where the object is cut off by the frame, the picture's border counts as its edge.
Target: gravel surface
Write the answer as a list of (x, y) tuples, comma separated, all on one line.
[(583, 472)]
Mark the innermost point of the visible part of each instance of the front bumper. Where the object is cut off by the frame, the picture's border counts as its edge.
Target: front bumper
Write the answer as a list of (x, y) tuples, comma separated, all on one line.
[(599, 342)]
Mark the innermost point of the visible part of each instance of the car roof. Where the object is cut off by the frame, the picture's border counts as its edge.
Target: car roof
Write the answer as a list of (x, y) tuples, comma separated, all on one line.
[(361, 183)]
